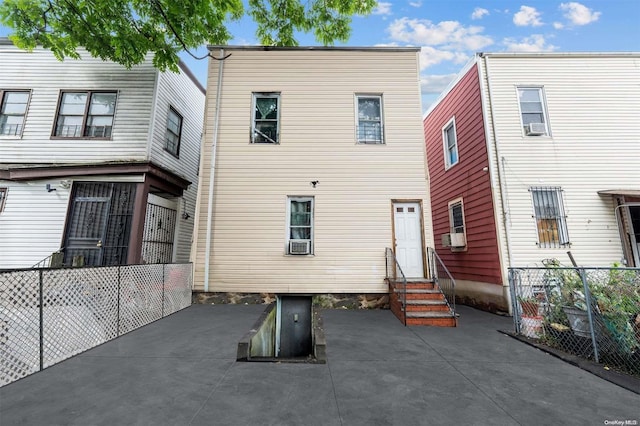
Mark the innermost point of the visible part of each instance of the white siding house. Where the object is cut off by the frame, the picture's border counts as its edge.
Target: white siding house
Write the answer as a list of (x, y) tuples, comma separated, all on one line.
[(87, 164), (585, 153), (316, 160), (562, 133)]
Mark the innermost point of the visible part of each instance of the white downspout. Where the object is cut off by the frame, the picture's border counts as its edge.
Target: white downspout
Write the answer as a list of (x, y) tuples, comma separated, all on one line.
[(506, 216), (214, 150)]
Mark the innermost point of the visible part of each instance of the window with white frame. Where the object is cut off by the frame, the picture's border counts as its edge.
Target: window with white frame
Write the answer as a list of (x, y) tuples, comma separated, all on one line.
[(265, 121), (532, 111), (3, 198), (450, 143), (85, 115), (549, 215), (370, 126), (300, 225), (456, 223), (173, 132), (13, 109)]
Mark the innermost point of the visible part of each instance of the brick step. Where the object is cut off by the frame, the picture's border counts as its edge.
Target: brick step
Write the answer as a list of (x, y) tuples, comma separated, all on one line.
[(426, 306), (442, 319), (420, 294)]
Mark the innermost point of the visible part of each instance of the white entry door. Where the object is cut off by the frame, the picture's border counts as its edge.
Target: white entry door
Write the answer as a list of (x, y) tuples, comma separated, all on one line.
[(408, 234)]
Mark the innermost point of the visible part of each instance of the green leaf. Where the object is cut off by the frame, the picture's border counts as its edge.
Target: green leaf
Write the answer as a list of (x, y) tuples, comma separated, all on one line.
[(126, 31)]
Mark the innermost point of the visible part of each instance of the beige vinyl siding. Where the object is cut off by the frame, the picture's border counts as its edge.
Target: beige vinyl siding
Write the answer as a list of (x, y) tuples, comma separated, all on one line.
[(30, 230), (592, 103), (353, 213), (178, 91), (45, 76)]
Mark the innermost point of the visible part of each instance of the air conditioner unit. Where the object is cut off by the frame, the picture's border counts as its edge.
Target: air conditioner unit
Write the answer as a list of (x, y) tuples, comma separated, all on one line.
[(299, 247), (446, 240), (457, 240), (535, 129)]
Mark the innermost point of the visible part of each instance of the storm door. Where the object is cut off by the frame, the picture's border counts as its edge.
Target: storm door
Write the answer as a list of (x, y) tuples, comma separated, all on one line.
[(99, 223)]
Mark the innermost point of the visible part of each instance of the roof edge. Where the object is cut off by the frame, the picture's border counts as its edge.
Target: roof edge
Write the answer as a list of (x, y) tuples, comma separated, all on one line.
[(557, 54), (318, 48)]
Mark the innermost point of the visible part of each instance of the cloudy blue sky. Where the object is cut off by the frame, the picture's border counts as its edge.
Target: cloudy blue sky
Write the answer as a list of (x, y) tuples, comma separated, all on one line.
[(451, 31)]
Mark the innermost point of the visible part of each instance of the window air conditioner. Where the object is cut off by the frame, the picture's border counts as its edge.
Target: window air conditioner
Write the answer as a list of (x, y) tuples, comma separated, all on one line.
[(446, 240), (535, 129), (457, 240), (299, 247)]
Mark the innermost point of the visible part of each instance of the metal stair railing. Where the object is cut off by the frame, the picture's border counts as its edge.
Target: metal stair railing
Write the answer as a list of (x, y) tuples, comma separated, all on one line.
[(54, 260), (442, 278), (392, 267)]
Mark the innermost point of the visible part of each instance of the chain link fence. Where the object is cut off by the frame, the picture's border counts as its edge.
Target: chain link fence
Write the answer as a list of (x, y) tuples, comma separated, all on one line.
[(593, 313), (49, 315)]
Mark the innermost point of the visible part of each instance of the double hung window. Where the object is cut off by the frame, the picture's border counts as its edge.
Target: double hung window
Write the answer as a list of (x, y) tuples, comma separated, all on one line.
[(450, 143), (370, 124), (265, 125), (532, 111), (13, 109), (173, 132), (85, 114), (300, 225)]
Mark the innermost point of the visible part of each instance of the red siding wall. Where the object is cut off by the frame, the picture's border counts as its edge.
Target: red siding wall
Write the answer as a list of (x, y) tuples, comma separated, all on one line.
[(466, 179)]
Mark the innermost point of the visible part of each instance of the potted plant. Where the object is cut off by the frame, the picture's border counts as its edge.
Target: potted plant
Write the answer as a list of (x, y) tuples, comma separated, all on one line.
[(530, 305)]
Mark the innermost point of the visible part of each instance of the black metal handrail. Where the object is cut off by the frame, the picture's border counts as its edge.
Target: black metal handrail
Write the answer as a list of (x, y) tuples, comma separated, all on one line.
[(392, 267), (442, 278), (54, 260)]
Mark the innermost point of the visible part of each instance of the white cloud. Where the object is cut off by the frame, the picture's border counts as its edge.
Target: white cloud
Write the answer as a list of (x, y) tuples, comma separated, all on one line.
[(478, 13), (528, 16), (450, 35), (534, 43), (435, 84), (415, 3), (383, 8), (431, 56), (558, 25), (579, 14)]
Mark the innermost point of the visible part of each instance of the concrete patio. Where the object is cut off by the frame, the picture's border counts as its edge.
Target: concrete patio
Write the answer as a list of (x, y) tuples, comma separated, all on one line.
[(182, 371)]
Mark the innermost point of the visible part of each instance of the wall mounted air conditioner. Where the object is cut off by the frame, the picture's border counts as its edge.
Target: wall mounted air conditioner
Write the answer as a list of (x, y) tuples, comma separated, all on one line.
[(299, 247), (535, 129), (446, 240), (457, 240)]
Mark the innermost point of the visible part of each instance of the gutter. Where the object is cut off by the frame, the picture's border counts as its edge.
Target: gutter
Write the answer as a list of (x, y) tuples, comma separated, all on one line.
[(214, 151), (500, 169)]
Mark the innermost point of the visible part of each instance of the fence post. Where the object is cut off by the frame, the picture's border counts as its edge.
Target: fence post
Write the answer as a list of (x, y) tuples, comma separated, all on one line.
[(587, 296), (118, 305), (163, 290), (41, 297), (512, 295)]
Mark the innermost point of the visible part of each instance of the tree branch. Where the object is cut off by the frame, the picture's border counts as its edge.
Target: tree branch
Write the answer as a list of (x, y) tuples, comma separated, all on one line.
[(159, 9)]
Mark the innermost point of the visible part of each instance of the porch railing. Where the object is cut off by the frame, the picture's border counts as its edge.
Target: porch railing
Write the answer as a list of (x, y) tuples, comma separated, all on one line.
[(48, 315), (442, 278), (392, 270), (54, 260)]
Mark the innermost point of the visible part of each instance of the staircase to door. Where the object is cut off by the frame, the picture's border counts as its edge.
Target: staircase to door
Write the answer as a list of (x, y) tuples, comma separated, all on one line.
[(422, 301)]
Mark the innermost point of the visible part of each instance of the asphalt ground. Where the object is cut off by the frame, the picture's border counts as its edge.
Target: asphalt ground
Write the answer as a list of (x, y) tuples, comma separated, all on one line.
[(181, 370)]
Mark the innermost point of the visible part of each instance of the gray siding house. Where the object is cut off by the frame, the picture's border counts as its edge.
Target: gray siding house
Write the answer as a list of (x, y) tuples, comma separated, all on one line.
[(97, 162)]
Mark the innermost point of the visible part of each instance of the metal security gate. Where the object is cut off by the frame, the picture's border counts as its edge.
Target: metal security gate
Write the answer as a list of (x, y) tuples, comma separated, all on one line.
[(159, 232), (99, 224)]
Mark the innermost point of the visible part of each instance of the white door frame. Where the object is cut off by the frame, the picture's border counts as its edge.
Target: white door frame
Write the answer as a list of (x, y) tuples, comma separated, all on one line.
[(418, 269)]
